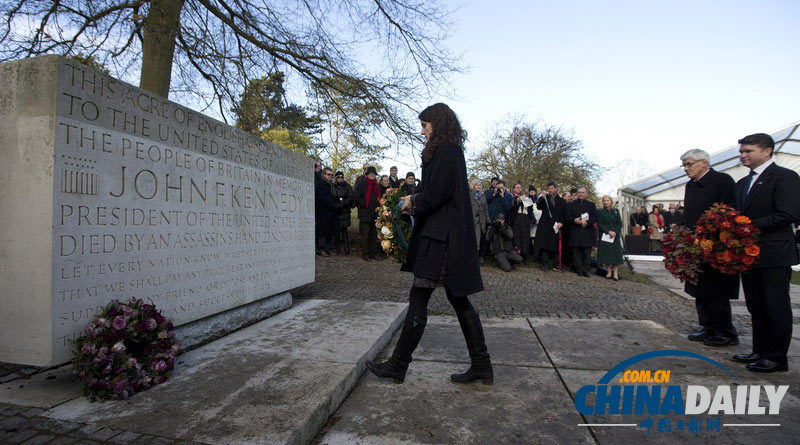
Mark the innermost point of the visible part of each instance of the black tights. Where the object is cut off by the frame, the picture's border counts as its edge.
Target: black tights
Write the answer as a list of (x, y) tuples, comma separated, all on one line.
[(417, 318)]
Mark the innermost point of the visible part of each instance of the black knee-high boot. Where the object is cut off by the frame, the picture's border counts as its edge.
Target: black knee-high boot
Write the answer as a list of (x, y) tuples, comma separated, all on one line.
[(481, 364), (413, 328)]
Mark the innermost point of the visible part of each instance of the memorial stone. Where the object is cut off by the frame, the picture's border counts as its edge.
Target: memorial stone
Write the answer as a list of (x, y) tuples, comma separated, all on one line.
[(110, 192)]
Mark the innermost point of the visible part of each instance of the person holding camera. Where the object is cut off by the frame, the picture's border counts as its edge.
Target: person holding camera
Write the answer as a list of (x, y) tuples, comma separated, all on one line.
[(500, 238), (499, 200)]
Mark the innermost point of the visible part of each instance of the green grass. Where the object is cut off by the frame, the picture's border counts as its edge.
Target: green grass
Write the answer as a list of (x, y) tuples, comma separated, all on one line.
[(636, 277), (796, 277)]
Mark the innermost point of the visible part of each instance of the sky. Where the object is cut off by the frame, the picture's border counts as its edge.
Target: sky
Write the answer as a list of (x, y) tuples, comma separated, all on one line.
[(637, 81)]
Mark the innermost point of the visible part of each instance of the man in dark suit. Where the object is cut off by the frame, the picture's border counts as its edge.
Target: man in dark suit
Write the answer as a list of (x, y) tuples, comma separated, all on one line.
[(545, 244), (714, 289), (580, 217), (769, 197)]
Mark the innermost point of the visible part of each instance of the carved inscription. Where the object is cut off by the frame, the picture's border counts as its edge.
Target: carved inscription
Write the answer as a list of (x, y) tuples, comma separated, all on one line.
[(156, 201)]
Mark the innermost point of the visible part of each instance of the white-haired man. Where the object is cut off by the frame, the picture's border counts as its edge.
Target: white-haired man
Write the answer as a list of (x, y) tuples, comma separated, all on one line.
[(714, 290)]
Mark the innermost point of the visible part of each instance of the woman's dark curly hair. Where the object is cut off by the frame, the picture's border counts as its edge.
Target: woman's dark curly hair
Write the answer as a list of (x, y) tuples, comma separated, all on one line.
[(446, 129)]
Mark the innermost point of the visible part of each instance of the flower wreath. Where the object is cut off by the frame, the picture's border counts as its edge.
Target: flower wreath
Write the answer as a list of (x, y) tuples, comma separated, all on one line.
[(129, 347), (394, 227), (682, 255), (728, 239)]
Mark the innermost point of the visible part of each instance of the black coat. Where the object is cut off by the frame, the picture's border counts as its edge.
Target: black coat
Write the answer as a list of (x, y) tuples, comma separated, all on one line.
[(500, 238), (366, 213), (773, 204), (546, 238), (444, 225), (580, 236), (408, 189), (344, 195), (714, 187), (327, 211), (395, 183)]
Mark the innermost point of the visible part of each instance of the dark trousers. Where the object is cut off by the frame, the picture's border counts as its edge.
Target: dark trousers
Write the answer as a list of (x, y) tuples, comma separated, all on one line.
[(566, 255), (766, 292), (505, 259), (324, 244), (581, 259), (369, 238), (417, 318), (715, 317), (343, 240), (549, 258)]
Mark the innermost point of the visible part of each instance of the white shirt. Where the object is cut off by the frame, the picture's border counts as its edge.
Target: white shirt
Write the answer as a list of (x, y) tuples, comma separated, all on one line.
[(758, 170)]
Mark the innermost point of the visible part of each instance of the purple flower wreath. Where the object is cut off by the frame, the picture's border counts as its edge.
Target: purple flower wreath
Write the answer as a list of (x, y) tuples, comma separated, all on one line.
[(129, 347)]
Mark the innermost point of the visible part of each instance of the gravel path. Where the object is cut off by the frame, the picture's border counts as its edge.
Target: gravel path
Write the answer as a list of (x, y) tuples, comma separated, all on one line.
[(526, 291)]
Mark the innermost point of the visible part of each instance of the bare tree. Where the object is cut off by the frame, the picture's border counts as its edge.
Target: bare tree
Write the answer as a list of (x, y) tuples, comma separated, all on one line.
[(212, 48), (535, 153)]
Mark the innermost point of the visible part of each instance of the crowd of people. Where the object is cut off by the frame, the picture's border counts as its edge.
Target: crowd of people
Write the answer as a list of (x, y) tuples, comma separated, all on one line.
[(335, 199), (512, 226), (656, 224)]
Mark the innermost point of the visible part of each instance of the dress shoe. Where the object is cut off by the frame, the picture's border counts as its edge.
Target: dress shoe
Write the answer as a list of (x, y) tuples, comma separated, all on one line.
[(698, 336), (746, 358), (616, 278), (718, 341), (765, 365), (390, 369)]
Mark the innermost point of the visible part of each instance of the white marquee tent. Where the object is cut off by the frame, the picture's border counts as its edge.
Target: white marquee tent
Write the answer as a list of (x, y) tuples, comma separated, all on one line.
[(668, 186)]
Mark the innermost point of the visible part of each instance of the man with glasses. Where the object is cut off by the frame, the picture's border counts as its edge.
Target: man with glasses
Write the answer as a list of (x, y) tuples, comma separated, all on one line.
[(713, 290), (327, 212)]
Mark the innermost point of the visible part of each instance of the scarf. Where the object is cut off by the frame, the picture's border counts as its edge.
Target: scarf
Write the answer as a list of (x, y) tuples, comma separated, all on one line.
[(660, 223), (372, 186)]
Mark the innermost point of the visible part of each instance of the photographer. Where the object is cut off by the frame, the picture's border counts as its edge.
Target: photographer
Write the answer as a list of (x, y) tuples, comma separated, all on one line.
[(499, 200), (499, 236)]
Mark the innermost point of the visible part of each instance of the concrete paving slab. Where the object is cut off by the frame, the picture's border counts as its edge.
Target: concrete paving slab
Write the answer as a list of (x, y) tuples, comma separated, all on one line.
[(601, 344), (274, 382), (525, 405), (43, 390), (510, 342), (788, 418)]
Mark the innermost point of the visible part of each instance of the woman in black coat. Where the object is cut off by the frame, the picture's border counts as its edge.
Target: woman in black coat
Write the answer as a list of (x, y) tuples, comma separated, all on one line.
[(442, 251)]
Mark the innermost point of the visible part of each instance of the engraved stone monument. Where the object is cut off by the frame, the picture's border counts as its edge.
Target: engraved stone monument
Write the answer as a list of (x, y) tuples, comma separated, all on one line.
[(110, 192)]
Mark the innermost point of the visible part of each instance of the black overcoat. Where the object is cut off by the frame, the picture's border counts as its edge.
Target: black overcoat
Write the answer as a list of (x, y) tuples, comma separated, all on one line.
[(444, 225), (773, 204), (344, 194), (366, 213), (714, 187), (580, 236), (546, 238), (326, 208)]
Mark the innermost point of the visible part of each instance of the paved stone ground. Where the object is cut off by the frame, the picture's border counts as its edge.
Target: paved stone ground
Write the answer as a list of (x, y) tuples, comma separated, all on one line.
[(526, 291), (24, 425)]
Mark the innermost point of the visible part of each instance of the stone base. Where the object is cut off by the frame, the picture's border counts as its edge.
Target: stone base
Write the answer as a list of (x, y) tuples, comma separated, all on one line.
[(277, 381), (200, 332)]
